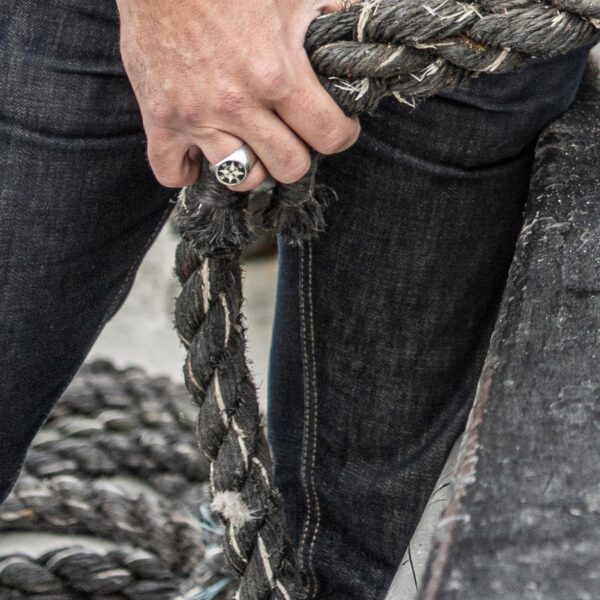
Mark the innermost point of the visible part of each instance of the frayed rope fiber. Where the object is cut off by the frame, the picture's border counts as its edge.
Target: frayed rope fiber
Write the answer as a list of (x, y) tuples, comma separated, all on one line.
[(408, 49)]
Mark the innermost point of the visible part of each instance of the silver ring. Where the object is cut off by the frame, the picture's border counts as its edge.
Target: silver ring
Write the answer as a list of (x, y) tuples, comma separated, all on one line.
[(235, 168)]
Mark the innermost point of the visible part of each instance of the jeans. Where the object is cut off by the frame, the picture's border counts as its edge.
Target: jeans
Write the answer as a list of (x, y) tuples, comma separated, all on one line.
[(381, 324)]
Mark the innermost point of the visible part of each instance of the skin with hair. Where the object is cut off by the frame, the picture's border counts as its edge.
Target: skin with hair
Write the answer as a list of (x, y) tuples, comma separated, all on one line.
[(210, 76)]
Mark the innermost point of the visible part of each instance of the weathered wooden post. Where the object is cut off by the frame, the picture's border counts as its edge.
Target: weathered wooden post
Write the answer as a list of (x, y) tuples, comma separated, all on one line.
[(523, 519)]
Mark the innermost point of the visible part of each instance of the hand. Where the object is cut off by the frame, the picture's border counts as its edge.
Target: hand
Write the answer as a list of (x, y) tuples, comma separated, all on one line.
[(209, 76)]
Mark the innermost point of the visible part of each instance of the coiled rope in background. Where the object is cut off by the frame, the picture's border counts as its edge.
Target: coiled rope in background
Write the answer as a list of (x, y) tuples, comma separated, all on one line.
[(157, 542), (409, 49)]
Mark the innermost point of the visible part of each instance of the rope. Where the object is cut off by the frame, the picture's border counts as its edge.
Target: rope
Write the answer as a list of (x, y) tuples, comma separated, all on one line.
[(135, 425), (68, 504), (210, 324), (77, 573), (164, 541), (408, 49)]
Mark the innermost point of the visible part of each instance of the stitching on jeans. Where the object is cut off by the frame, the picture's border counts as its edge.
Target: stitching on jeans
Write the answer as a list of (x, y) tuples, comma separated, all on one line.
[(306, 417), (315, 419)]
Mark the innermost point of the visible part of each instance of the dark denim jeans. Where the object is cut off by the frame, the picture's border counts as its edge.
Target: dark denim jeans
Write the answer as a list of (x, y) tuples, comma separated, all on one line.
[(381, 324)]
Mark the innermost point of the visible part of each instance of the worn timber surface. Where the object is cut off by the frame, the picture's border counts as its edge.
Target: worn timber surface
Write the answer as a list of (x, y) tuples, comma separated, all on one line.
[(524, 518)]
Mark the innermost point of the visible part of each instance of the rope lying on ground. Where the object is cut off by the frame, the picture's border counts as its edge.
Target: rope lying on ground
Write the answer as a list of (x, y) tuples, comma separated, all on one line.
[(165, 547), (125, 424), (67, 504), (137, 426), (78, 573), (406, 48)]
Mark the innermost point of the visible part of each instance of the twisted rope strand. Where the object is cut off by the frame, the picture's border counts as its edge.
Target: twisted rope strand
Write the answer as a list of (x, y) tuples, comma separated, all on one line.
[(124, 400), (168, 548), (209, 319), (67, 504), (166, 457), (75, 573), (411, 48)]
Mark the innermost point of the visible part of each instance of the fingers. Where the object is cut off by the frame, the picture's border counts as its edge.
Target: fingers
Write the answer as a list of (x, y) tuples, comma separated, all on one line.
[(170, 160), (176, 164), (280, 139), (219, 145), (285, 156), (330, 6), (313, 114)]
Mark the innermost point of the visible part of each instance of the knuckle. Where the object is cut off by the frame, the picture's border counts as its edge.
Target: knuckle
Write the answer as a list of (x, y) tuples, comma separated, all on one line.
[(332, 141), (273, 80), (170, 180), (247, 186), (231, 101), (209, 136), (192, 113), (295, 170), (157, 154), (163, 173)]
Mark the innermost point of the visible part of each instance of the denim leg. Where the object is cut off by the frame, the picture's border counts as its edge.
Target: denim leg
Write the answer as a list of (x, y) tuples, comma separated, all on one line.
[(79, 205), (382, 324)]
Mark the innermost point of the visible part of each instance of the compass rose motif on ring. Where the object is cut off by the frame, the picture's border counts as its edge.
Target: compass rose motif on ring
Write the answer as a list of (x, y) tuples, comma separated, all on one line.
[(235, 168)]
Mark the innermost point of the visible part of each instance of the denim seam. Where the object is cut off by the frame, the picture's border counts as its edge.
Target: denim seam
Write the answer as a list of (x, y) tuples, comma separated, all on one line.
[(306, 415), (310, 418), (315, 397)]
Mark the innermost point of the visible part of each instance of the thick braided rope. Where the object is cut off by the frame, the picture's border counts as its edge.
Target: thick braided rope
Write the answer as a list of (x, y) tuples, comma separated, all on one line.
[(210, 324), (408, 49), (417, 48), (125, 400), (413, 49), (168, 460), (110, 423), (70, 505)]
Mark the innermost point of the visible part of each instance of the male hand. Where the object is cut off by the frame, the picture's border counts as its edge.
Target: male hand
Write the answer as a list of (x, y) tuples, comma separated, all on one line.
[(210, 76)]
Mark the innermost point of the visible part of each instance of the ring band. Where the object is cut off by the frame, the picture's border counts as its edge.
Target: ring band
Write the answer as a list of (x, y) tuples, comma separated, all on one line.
[(235, 168)]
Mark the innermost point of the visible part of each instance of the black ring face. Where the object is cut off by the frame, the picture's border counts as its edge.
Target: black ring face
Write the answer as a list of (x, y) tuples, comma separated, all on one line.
[(231, 172)]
